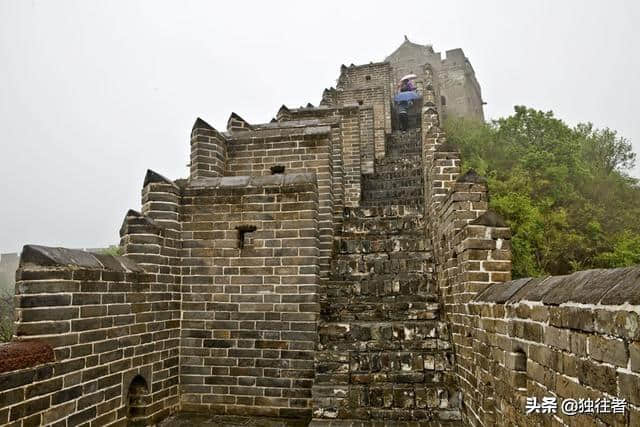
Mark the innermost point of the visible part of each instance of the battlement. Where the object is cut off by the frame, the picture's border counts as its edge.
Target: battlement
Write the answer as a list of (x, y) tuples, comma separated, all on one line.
[(325, 267)]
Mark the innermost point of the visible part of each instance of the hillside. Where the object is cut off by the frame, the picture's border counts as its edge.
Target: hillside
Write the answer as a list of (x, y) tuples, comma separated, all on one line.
[(564, 190)]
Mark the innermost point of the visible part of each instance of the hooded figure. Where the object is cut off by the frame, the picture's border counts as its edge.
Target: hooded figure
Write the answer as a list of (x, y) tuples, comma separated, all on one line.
[(407, 85)]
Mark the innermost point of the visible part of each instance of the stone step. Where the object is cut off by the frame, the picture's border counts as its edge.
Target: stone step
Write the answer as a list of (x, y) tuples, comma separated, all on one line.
[(401, 151), (390, 211), (388, 171), (414, 203), (391, 164), (347, 244), (359, 266), (430, 335), (394, 193), (385, 310), (380, 299), (390, 406), (379, 287), (402, 195), (400, 136), (406, 183), (373, 226)]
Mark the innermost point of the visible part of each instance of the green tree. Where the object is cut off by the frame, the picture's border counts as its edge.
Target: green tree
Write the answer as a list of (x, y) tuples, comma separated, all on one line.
[(564, 191), (114, 250)]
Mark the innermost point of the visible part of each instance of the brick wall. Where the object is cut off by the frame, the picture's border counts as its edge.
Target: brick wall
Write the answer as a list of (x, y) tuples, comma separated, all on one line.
[(208, 151), (301, 147), (567, 337), (470, 243), (107, 321), (369, 85), (374, 97), (250, 313)]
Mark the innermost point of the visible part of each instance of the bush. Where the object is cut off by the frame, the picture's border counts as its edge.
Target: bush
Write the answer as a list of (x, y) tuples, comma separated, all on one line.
[(564, 191)]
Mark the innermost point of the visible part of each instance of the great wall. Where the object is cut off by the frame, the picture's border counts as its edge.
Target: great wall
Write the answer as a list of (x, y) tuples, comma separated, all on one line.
[(324, 268)]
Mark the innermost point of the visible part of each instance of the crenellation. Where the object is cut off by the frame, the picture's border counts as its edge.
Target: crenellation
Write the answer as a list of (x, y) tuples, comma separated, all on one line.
[(324, 267)]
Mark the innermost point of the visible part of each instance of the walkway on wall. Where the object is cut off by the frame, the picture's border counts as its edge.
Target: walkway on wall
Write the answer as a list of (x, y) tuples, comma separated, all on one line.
[(384, 350)]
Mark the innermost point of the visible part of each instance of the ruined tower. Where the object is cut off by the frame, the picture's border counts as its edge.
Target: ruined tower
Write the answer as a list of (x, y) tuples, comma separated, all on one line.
[(454, 81)]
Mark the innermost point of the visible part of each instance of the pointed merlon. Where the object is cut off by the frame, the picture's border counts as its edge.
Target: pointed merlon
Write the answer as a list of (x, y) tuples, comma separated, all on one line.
[(283, 113), (471, 176), (236, 122), (310, 105), (134, 216), (406, 38), (133, 213), (201, 124), (490, 219), (152, 177)]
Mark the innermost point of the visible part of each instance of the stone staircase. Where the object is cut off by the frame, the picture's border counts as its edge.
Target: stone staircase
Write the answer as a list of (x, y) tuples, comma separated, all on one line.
[(398, 177), (384, 352)]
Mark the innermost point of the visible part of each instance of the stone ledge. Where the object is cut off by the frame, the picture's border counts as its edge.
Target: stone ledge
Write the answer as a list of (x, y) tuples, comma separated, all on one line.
[(277, 180), (24, 354), (45, 256), (290, 128), (607, 287)]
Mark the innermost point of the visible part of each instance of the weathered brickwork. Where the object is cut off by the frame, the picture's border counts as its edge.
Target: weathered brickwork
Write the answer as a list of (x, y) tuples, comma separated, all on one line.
[(325, 268), (249, 312), (567, 337), (107, 321), (299, 147), (384, 350)]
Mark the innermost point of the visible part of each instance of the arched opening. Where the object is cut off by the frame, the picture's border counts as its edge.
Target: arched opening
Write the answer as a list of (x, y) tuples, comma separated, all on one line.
[(517, 361), (139, 400)]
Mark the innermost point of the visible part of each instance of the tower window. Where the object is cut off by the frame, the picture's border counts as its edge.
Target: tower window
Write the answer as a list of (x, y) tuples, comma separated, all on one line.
[(443, 100), (367, 78)]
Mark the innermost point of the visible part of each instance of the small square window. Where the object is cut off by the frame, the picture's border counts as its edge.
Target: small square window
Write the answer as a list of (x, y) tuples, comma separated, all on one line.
[(367, 78)]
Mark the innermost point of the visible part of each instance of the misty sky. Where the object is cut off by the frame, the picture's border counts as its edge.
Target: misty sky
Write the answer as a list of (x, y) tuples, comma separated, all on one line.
[(92, 93)]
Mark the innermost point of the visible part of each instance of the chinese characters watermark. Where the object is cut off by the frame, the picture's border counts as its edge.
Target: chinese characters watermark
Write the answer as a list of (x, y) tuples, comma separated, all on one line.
[(549, 405)]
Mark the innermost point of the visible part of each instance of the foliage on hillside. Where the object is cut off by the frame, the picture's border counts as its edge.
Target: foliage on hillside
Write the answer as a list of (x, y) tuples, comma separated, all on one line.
[(6, 309), (114, 250), (564, 191)]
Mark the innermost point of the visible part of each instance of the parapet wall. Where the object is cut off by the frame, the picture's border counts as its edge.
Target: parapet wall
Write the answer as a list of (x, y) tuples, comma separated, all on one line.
[(106, 322), (570, 337), (564, 337)]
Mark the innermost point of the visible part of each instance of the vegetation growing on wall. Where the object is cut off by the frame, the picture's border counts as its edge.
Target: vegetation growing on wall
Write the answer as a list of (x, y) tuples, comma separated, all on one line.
[(564, 190)]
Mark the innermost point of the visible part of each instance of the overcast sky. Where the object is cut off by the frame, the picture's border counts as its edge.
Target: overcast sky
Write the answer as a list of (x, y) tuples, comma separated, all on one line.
[(92, 93)]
